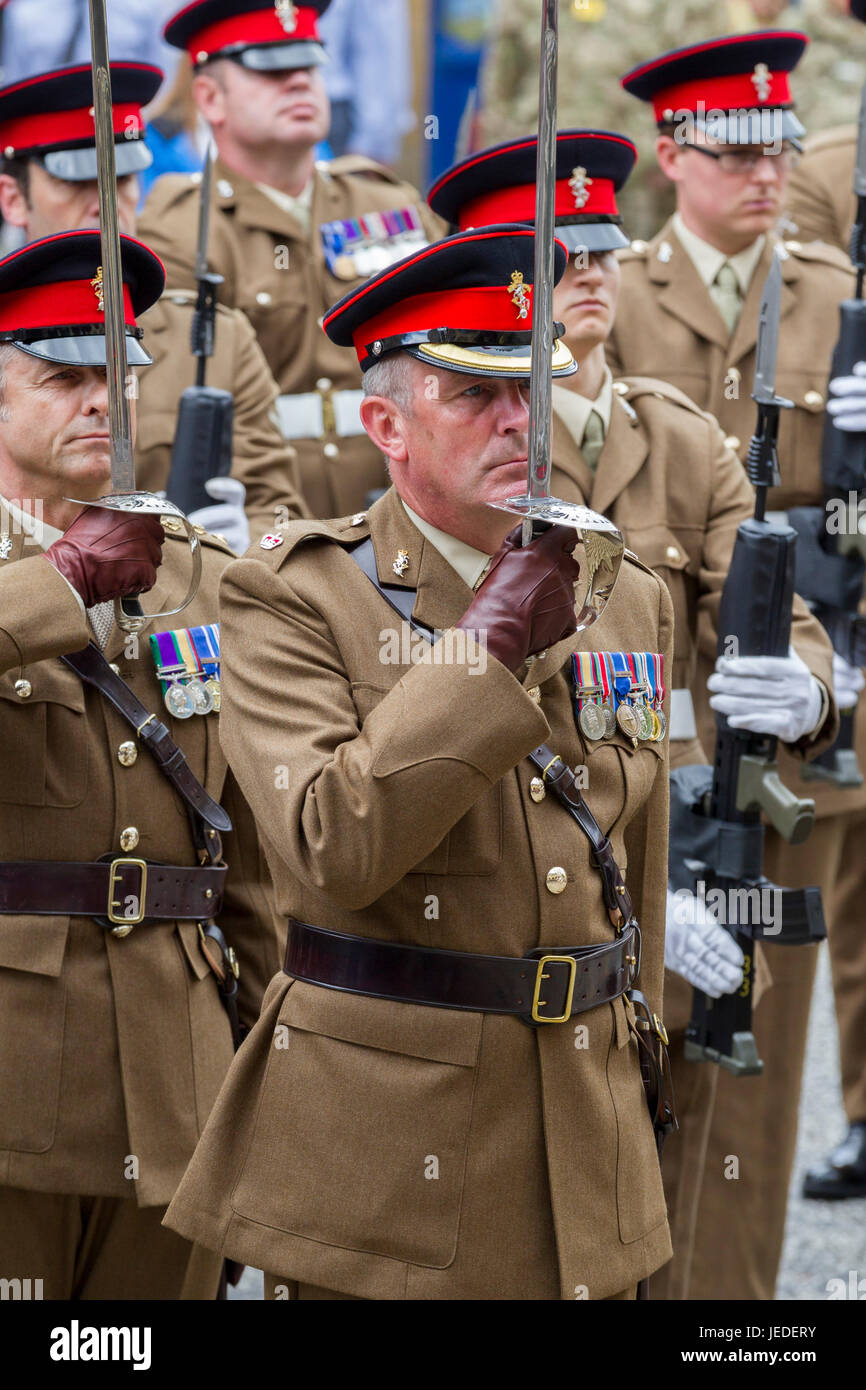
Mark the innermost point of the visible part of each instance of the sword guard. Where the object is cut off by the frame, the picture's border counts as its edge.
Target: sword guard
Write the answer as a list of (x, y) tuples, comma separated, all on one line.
[(128, 620)]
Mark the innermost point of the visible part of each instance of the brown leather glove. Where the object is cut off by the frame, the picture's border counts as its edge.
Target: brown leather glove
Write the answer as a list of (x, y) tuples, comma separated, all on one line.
[(107, 555), (526, 603)]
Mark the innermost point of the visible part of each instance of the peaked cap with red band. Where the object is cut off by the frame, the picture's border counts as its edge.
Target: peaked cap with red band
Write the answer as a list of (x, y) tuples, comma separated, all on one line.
[(266, 35), (50, 117), (498, 185), (464, 303), (50, 295), (734, 88)]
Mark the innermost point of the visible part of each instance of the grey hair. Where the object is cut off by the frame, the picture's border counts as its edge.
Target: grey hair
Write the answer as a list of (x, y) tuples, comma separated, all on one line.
[(6, 351), (391, 378)]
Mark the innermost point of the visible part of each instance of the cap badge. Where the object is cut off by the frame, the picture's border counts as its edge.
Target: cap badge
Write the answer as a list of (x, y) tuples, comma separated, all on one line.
[(580, 186), (519, 294), (762, 81), (287, 14), (270, 542), (99, 290), (401, 564)]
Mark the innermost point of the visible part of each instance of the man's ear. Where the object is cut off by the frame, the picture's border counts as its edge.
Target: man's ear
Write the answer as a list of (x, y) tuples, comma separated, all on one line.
[(668, 154), (13, 204), (210, 97), (383, 421)]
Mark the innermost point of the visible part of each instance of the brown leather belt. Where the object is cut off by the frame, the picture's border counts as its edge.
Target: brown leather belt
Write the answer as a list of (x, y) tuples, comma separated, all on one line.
[(125, 892), (549, 985)]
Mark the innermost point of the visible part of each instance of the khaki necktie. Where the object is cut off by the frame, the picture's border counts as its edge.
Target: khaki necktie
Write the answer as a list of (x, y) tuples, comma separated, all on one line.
[(101, 617), (725, 292), (593, 439)]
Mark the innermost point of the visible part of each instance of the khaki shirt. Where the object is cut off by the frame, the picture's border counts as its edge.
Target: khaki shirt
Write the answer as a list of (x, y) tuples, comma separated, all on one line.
[(404, 813), (111, 1049), (275, 271)]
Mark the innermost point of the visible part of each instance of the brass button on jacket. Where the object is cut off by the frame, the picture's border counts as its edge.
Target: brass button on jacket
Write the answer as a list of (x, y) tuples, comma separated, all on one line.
[(127, 753), (128, 838), (557, 879)]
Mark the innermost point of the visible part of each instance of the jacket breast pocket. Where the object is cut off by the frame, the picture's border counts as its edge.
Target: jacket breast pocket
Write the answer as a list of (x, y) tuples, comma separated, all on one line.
[(363, 1126), (44, 736), (32, 1010)]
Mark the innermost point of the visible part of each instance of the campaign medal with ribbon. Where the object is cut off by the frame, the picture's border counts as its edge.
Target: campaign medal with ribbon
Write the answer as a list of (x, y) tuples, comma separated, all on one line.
[(206, 641), (201, 696), (657, 663), (607, 710), (171, 671), (625, 714), (589, 715), (640, 689)]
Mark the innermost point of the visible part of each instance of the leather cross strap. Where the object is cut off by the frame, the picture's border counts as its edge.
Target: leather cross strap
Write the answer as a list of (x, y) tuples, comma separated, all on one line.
[(561, 780), (94, 670), (541, 987), (166, 892)]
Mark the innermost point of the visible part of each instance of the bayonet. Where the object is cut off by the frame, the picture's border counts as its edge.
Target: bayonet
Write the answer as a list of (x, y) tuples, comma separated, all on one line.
[(204, 319)]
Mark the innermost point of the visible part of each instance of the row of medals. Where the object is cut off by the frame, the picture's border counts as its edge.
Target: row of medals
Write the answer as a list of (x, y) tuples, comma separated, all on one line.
[(598, 721), (184, 698)]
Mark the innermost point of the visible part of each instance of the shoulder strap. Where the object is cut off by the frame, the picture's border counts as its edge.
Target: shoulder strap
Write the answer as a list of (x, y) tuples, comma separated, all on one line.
[(90, 665)]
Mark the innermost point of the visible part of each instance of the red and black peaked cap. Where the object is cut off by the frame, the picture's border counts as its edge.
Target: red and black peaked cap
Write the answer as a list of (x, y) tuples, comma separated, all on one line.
[(735, 88), (464, 303), (51, 298), (266, 35), (50, 118), (498, 185)]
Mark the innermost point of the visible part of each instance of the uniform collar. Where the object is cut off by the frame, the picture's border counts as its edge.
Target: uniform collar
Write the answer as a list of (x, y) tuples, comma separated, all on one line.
[(708, 259), (469, 563), (575, 409), (299, 206)]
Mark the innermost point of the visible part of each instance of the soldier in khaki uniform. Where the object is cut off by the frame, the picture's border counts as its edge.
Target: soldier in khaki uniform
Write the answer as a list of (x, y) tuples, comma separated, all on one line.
[(486, 1159), (113, 1037), (643, 453), (48, 185), (821, 204), (288, 235), (688, 311)]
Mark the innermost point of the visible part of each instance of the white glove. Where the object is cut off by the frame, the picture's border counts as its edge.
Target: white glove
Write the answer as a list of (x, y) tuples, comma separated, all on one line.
[(848, 681), (228, 517), (697, 948), (848, 408), (767, 695)]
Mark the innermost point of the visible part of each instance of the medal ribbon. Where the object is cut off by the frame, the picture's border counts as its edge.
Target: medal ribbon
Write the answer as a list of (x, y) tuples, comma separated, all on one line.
[(166, 658), (621, 679), (206, 641), (186, 651)]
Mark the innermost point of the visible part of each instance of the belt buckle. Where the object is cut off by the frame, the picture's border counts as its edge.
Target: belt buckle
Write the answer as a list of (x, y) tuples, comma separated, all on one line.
[(542, 974), (125, 924)]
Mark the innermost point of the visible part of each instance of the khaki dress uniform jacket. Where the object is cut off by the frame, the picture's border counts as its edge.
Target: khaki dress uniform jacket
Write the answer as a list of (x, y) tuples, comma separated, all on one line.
[(667, 478), (260, 455), (668, 326), (821, 203), (110, 1048), (403, 813), (276, 272)]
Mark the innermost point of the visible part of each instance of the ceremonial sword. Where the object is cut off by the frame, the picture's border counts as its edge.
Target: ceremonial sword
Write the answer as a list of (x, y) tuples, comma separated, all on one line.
[(123, 496), (603, 543)]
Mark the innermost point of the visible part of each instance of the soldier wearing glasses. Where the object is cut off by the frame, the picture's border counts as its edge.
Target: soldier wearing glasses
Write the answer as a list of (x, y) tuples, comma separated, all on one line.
[(689, 303)]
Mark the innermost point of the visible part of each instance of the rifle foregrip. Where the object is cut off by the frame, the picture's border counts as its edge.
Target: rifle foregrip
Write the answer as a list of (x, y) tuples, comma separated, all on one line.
[(202, 445), (755, 609)]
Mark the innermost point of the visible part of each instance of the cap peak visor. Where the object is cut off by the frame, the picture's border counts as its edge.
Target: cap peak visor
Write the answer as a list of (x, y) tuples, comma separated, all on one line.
[(80, 350), (81, 166), (279, 57), (513, 361)]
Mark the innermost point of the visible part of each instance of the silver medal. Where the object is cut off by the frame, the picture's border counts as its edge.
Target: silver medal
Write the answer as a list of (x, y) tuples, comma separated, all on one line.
[(179, 702)]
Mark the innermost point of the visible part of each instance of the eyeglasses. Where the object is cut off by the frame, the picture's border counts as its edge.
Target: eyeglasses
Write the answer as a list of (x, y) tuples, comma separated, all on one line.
[(746, 161)]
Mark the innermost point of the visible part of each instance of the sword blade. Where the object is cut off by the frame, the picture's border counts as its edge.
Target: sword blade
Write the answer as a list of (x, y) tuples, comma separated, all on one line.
[(860, 164), (767, 348), (122, 469), (541, 382)]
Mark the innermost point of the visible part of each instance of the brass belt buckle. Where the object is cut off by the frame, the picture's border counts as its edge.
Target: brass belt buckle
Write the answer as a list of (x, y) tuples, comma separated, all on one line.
[(125, 924), (542, 974)]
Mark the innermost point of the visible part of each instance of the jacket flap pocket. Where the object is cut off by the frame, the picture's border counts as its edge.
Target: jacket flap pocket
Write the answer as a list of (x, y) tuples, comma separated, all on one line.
[(33, 944), (659, 548), (413, 1030), (50, 681)]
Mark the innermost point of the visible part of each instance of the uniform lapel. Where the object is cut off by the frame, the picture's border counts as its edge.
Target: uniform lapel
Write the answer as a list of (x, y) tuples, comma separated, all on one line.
[(253, 208), (746, 333), (623, 455), (441, 595), (681, 291)]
